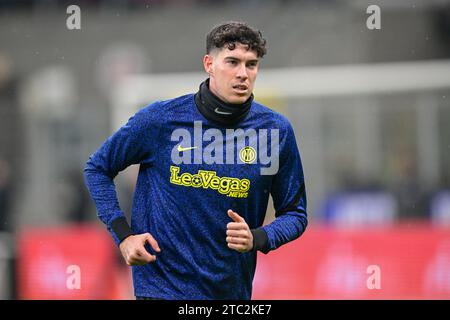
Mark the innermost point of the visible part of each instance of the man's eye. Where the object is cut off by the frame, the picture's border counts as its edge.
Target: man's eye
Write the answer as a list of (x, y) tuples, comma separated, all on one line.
[(232, 62)]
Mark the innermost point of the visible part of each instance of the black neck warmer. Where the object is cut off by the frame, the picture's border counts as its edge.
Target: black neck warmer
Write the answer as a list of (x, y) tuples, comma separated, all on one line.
[(216, 110)]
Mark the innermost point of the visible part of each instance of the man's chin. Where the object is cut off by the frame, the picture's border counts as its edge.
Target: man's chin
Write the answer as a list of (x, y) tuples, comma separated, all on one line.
[(238, 99)]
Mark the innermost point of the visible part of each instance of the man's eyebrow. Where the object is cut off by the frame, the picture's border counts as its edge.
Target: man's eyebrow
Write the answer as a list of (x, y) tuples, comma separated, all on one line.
[(237, 59)]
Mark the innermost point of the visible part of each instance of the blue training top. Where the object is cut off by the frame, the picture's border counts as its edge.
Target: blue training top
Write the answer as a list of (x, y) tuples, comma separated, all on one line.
[(188, 178)]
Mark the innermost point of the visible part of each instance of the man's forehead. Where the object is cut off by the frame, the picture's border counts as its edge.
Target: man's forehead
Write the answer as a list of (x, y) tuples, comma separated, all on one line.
[(239, 51)]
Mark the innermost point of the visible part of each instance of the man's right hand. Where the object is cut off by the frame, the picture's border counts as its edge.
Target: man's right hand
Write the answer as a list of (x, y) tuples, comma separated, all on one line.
[(133, 250)]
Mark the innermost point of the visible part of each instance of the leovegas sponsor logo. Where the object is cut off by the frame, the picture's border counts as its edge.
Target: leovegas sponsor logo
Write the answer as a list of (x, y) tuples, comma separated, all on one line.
[(229, 186)]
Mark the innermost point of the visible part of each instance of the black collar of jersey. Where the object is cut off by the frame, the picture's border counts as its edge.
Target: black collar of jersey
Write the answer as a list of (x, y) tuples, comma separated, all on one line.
[(218, 111)]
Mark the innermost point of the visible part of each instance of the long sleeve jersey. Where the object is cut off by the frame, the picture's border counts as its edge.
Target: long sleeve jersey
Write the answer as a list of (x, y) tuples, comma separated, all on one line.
[(191, 172)]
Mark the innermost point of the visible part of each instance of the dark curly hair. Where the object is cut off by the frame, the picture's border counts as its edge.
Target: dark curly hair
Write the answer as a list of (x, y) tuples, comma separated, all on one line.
[(232, 32)]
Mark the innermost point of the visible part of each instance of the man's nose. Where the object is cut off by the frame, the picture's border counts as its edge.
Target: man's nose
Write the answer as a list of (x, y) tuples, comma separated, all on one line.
[(242, 72)]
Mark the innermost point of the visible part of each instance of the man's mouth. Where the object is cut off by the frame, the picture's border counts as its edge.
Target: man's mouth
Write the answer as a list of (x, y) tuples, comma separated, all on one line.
[(241, 87)]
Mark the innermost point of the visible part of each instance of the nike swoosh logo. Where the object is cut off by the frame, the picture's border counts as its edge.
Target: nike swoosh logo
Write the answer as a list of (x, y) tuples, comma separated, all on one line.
[(216, 110), (181, 149)]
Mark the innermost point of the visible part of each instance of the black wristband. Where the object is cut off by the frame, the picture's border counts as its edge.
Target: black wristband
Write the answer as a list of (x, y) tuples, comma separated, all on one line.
[(260, 240), (121, 228)]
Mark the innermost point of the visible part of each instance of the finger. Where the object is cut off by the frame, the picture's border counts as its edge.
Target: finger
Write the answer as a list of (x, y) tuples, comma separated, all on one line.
[(144, 256), (237, 247), (233, 215), (236, 226), (137, 262), (234, 240), (237, 233), (149, 238)]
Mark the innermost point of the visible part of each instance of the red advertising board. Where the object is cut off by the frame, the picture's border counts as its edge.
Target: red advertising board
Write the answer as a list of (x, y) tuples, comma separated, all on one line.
[(402, 262), (70, 262)]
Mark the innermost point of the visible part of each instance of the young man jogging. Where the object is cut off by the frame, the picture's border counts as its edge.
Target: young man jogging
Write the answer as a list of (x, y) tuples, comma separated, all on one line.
[(208, 162)]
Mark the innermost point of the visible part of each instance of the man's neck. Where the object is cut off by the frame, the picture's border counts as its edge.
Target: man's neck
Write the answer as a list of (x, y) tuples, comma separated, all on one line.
[(212, 107)]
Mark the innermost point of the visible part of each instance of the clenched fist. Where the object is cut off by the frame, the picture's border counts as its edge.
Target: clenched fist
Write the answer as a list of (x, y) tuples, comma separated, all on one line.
[(239, 236), (134, 252)]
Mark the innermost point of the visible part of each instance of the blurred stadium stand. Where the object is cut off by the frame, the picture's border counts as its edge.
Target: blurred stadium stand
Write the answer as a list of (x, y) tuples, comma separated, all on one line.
[(370, 109), (440, 208), (360, 209)]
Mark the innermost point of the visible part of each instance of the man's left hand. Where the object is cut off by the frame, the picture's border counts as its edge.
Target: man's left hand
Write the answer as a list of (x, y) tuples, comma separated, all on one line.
[(239, 236)]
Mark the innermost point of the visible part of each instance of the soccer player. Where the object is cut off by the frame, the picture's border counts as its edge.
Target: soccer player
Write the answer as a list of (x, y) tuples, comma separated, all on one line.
[(208, 162)]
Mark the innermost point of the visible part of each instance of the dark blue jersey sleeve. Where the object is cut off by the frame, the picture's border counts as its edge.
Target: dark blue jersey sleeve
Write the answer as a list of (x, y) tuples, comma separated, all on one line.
[(289, 195), (128, 146)]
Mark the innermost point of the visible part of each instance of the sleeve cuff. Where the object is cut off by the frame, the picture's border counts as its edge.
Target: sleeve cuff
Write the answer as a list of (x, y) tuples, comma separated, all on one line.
[(260, 240), (121, 229)]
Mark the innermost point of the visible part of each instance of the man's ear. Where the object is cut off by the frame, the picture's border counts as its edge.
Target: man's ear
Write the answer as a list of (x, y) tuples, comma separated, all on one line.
[(207, 63)]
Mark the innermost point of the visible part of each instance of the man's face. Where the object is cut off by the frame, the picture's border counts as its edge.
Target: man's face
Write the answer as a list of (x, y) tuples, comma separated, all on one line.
[(232, 73)]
